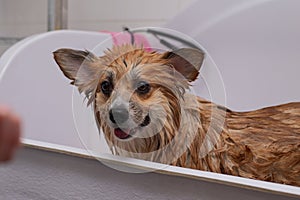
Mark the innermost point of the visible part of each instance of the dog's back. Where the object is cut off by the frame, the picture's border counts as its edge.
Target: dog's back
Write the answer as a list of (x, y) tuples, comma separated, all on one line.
[(262, 144)]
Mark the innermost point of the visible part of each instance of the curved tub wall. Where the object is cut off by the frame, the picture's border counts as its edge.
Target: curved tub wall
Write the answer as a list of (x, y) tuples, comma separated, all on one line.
[(35, 87)]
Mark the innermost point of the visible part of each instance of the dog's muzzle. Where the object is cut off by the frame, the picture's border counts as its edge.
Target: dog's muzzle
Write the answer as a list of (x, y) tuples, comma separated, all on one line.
[(119, 116)]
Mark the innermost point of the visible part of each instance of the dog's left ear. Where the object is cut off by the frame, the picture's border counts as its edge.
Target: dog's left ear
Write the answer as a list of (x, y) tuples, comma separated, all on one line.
[(186, 61)]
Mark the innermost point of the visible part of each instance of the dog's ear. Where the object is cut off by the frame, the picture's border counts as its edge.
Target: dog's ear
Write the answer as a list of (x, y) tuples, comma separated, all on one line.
[(79, 66), (186, 61), (75, 64)]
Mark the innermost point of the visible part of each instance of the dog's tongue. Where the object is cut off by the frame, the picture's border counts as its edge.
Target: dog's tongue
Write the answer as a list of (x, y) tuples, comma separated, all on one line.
[(121, 134)]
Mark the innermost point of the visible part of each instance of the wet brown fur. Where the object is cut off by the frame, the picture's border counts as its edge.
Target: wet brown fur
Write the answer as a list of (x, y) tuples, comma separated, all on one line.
[(263, 144)]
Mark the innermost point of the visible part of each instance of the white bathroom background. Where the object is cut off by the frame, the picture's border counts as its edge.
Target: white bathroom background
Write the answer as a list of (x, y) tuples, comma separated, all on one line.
[(24, 18)]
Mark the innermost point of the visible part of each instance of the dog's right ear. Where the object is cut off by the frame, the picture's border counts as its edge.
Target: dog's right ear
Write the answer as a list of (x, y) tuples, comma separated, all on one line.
[(186, 61), (79, 66)]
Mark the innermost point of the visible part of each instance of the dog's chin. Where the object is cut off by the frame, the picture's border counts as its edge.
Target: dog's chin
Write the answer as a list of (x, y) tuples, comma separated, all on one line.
[(129, 133)]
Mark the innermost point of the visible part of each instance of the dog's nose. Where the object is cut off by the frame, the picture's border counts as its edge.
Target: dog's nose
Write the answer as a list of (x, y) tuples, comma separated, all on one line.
[(118, 115)]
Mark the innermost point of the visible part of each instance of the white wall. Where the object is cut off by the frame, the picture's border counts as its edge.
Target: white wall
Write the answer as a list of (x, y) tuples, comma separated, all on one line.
[(113, 14), (255, 45), (24, 18)]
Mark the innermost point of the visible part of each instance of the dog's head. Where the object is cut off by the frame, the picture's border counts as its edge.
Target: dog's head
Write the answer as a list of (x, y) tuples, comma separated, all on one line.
[(136, 94)]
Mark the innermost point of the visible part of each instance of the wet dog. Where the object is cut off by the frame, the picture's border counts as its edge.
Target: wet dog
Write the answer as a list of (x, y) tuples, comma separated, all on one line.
[(142, 103)]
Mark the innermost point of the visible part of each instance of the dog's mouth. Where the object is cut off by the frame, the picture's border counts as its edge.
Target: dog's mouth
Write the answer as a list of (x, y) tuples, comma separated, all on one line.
[(123, 134)]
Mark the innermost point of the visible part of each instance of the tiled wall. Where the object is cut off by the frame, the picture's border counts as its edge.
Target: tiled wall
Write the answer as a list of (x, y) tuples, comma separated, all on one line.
[(23, 18)]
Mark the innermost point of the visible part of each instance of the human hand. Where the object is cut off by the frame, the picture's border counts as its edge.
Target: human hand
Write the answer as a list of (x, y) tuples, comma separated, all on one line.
[(10, 131)]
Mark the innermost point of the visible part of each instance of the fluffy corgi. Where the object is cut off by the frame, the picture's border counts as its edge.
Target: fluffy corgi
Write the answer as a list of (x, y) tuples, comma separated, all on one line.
[(142, 104)]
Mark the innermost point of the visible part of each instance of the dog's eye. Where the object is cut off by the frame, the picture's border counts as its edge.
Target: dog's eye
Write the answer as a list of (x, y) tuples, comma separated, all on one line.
[(143, 87), (106, 87)]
